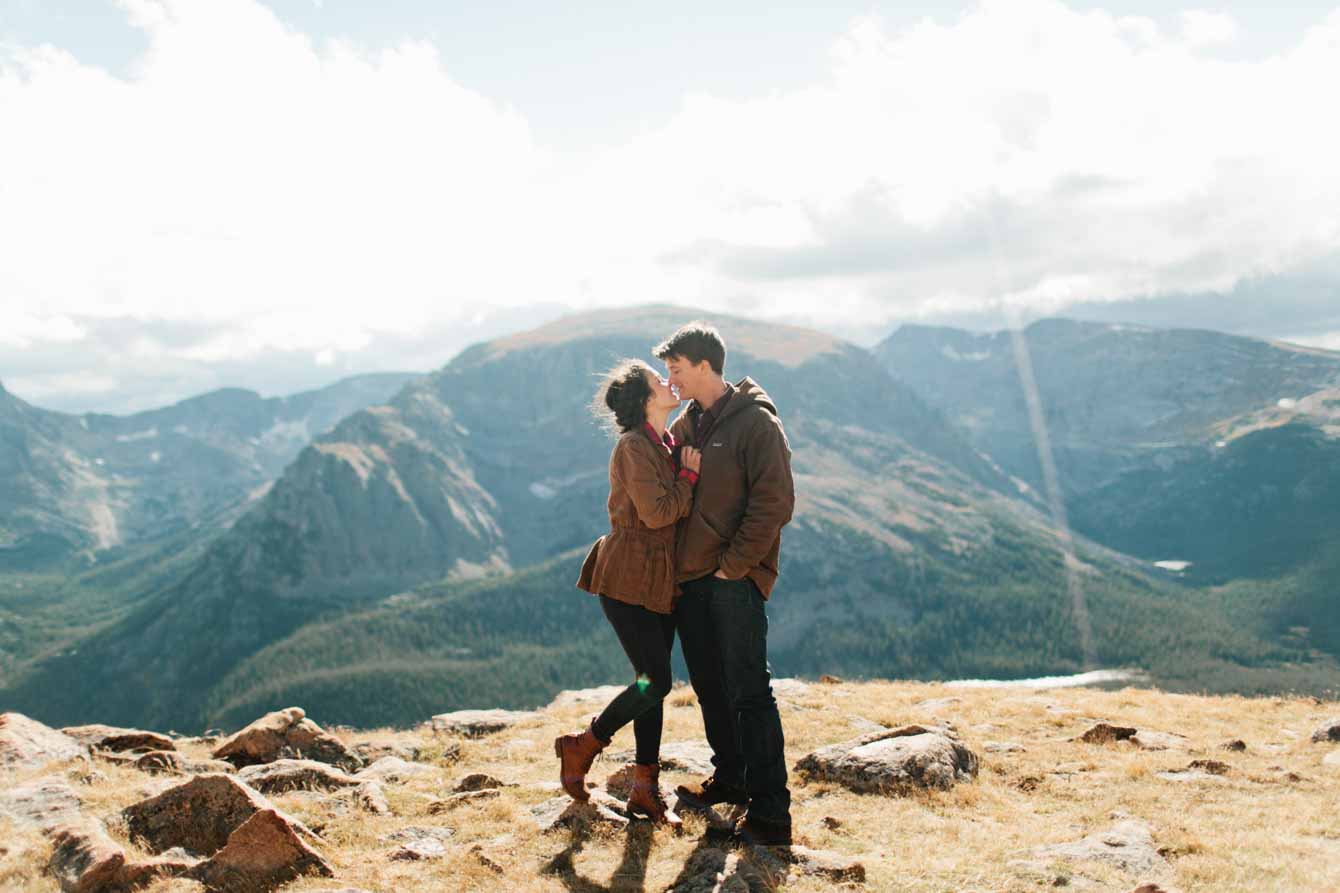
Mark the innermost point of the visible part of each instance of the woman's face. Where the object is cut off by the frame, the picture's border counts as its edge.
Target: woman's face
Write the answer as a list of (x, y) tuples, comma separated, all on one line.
[(661, 395)]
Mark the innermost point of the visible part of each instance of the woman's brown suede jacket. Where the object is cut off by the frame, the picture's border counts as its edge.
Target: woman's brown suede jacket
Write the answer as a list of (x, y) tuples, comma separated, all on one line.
[(635, 561)]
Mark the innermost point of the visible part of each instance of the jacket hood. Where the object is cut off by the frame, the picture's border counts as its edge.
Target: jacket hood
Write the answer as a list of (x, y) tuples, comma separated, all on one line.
[(748, 393)]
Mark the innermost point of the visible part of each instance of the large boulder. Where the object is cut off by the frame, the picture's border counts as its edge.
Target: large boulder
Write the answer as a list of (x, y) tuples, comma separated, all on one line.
[(117, 740), (285, 734), (198, 815), (43, 803), (478, 723), (264, 852), (894, 761), (84, 859), (26, 743), (291, 775)]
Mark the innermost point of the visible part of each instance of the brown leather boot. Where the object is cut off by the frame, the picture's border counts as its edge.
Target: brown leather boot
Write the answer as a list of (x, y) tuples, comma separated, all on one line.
[(644, 797), (575, 755), (710, 792)]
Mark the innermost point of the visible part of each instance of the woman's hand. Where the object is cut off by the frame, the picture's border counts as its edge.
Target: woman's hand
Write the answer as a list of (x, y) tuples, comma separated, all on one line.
[(691, 458)]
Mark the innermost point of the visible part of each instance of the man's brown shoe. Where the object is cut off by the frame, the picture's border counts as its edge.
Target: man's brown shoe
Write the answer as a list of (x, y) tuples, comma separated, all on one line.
[(763, 832), (575, 755), (710, 792), (644, 797)]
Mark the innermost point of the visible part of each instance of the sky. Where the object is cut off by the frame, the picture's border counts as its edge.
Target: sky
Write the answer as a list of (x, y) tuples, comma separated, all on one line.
[(207, 193)]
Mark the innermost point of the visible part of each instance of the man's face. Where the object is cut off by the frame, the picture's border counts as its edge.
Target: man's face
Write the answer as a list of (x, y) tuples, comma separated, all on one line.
[(687, 379)]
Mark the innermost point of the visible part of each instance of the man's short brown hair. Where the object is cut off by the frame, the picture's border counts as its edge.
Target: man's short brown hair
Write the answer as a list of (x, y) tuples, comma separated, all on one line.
[(695, 342)]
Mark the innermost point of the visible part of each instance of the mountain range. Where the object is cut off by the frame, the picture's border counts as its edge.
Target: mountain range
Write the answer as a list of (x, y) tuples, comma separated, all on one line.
[(421, 553)]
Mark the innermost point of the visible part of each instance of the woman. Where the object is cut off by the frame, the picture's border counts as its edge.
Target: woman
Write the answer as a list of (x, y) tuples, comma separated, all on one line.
[(632, 570)]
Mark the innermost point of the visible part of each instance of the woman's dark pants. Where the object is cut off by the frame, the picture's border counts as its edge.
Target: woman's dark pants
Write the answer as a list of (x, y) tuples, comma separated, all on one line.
[(647, 638)]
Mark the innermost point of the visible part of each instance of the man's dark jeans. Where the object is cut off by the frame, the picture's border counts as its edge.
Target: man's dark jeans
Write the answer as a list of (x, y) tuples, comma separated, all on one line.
[(723, 629)]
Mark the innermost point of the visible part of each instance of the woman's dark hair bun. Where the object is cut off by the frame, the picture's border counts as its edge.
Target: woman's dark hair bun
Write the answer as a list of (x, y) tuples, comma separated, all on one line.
[(621, 401)]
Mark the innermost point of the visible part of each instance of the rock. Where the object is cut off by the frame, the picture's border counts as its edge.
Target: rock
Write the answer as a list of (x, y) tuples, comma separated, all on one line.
[(789, 688), (86, 860), (564, 812), (43, 802), (26, 743), (371, 751), (937, 705), (262, 853), (1214, 767), (1327, 731), (419, 850), (1129, 845), (119, 740), (285, 733), (370, 797), (894, 760), (291, 775), (1189, 774), (1237, 745), (417, 843), (477, 781), (830, 866), (600, 695), (1332, 759), (451, 801), (156, 762), (1003, 747), (1105, 733), (198, 815), (478, 723), (388, 769), (692, 757)]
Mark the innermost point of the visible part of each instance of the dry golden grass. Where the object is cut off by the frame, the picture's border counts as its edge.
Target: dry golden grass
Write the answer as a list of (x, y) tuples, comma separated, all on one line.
[(1269, 824)]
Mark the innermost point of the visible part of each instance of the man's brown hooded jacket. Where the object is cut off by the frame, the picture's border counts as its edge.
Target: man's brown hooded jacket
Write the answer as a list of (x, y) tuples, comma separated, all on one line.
[(745, 494)]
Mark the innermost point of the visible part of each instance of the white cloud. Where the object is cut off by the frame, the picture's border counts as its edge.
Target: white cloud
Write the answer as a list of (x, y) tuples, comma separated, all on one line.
[(19, 329), (243, 173), (315, 198), (1202, 28)]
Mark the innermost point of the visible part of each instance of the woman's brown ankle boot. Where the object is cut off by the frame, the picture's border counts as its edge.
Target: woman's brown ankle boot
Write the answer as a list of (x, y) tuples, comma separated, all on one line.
[(575, 755), (644, 797)]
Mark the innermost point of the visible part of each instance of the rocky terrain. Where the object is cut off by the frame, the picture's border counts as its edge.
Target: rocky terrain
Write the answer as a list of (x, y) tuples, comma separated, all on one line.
[(897, 786)]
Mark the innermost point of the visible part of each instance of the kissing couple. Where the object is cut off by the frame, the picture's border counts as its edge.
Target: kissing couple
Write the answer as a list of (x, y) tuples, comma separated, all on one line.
[(696, 511)]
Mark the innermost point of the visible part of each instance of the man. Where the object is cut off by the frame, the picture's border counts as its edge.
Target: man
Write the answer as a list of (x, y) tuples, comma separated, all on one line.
[(726, 563)]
